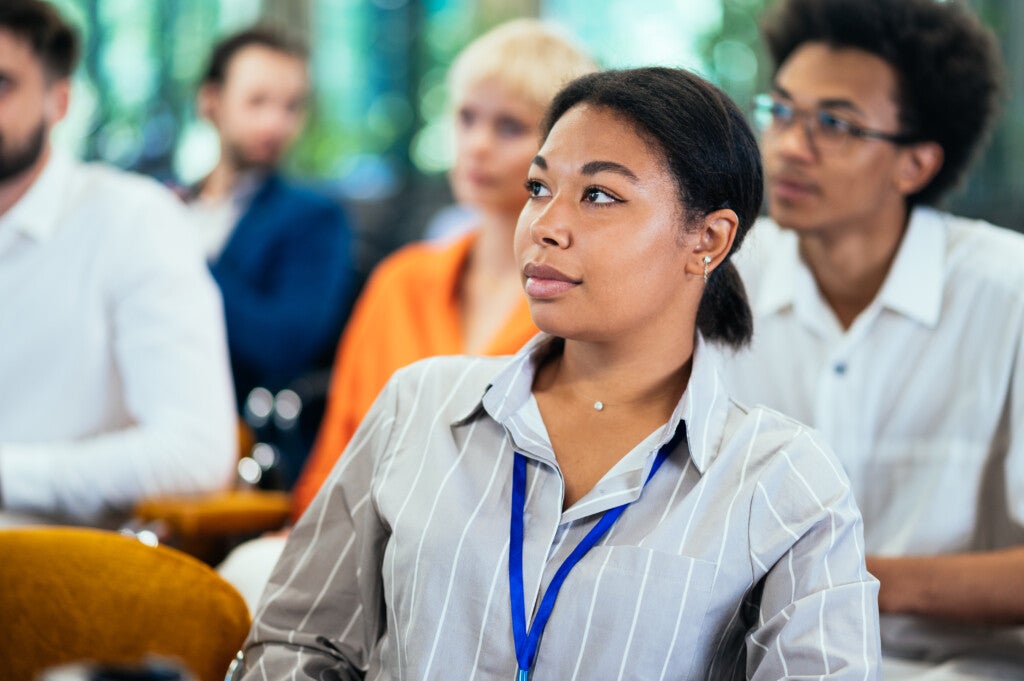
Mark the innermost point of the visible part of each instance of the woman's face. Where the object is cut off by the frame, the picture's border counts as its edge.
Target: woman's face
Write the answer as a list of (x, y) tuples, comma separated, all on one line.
[(496, 137), (601, 240)]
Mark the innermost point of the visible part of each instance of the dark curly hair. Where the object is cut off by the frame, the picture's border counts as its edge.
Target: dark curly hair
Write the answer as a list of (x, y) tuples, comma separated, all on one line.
[(711, 154), (53, 40), (947, 63)]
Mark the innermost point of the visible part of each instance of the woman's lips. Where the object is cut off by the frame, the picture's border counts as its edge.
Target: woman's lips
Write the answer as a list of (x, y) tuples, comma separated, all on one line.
[(544, 281)]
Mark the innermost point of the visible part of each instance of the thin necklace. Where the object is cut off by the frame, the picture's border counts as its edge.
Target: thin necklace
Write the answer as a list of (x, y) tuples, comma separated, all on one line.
[(599, 405)]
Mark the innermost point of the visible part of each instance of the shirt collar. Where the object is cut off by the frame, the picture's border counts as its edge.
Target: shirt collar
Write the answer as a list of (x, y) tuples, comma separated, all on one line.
[(703, 407), (913, 287), (914, 284), (777, 289), (248, 185), (37, 213)]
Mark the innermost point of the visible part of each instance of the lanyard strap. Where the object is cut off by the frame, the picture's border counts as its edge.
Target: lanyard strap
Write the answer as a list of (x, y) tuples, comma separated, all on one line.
[(527, 641)]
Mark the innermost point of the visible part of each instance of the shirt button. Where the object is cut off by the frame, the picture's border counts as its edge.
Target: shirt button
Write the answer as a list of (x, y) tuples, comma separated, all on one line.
[(839, 368)]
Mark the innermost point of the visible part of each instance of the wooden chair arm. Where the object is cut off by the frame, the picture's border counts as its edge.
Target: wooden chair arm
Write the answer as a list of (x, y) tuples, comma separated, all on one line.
[(204, 525), (218, 514)]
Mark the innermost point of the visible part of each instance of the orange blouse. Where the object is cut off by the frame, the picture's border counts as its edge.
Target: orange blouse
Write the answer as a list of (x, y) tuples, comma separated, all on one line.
[(409, 310)]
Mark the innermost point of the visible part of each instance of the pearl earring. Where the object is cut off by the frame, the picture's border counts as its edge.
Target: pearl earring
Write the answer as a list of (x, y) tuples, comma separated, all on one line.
[(707, 261)]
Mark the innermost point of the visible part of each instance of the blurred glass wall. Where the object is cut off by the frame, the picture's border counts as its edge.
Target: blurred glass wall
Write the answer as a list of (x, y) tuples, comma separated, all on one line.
[(378, 136)]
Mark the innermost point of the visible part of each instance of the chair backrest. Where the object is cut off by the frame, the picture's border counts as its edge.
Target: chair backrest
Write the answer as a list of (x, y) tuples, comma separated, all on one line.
[(73, 594)]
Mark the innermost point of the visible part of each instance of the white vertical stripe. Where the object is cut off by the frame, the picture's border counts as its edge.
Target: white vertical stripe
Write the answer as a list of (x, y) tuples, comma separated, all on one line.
[(329, 582), (399, 645), (438, 495), (636, 616), (679, 620), (356, 616), (782, 657), (829, 511), (671, 505), (487, 609), (590, 615), (821, 633), (344, 462), (775, 513), (728, 525), (498, 462)]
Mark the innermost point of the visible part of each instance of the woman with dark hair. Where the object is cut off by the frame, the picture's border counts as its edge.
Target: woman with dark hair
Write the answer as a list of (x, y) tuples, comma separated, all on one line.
[(596, 506)]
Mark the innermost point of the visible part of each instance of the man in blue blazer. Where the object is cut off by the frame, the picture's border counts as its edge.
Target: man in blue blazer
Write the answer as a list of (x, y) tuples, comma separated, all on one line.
[(282, 255)]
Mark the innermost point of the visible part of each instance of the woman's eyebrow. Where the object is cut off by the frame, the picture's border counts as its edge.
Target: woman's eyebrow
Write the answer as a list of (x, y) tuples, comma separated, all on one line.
[(595, 167)]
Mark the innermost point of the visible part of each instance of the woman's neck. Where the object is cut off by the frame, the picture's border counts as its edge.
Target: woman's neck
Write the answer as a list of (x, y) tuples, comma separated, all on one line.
[(620, 378), (490, 288), (492, 251)]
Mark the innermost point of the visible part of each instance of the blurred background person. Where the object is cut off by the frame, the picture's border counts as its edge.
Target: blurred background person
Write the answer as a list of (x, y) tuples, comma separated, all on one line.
[(281, 254), (458, 297), (895, 329), (377, 135), (113, 361)]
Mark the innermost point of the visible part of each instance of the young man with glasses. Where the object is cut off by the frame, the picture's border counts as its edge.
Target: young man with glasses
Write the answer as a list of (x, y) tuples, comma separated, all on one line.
[(893, 328)]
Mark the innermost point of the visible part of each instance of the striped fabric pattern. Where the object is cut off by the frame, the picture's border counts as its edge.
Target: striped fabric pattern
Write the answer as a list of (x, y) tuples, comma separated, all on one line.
[(743, 557)]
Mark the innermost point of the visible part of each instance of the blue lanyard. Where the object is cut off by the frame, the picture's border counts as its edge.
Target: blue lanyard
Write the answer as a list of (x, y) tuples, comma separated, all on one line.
[(527, 641)]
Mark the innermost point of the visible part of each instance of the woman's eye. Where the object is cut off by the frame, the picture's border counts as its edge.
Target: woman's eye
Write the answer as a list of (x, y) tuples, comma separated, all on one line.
[(535, 189), (595, 195), (509, 127)]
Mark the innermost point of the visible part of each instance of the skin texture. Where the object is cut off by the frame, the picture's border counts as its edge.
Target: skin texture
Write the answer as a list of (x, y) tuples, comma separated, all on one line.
[(849, 211), (848, 207), (627, 279), (30, 105), (258, 111)]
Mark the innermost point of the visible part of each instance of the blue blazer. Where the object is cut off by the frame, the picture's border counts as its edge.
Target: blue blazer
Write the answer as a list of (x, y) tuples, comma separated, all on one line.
[(287, 276)]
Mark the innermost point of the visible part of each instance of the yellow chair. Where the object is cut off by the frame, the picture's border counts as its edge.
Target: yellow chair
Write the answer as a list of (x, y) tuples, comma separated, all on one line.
[(74, 594)]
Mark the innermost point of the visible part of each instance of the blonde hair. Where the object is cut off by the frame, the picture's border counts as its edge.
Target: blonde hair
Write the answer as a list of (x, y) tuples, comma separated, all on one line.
[(530, 58)]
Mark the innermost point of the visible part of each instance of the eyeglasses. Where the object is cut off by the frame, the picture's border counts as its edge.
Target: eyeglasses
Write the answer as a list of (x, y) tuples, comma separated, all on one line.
[(827, 132)]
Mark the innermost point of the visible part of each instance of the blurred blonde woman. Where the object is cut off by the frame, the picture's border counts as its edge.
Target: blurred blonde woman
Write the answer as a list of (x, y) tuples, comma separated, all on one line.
[(459, 297)]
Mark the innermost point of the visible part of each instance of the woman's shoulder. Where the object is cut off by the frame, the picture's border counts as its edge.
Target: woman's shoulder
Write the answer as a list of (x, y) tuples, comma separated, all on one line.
[(776, 442), (453, 383)]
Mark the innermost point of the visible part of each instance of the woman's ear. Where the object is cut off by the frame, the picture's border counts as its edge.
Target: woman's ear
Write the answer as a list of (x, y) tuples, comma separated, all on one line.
[(918, 165), (714, 240)]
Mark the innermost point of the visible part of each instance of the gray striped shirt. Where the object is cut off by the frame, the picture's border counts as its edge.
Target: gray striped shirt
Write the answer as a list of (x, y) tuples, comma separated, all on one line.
[(743, 558)]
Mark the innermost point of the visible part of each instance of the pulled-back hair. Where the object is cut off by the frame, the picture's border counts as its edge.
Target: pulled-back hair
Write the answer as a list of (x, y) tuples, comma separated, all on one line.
[(262, 36), (948, 68), (529, 57), (709, 150), (53, 40)]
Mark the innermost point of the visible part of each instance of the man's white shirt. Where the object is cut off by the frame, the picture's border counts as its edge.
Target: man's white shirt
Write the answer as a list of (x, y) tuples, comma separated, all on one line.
[(922, 398), (113, 360)]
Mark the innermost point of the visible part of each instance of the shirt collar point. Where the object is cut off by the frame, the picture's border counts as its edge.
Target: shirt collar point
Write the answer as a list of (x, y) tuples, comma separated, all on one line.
[(915, 283)]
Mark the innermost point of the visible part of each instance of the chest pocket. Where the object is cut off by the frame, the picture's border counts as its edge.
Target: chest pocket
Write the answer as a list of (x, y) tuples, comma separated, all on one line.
[(628, 612)]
